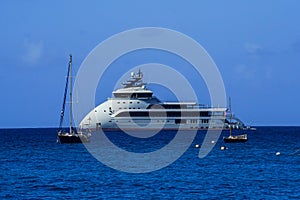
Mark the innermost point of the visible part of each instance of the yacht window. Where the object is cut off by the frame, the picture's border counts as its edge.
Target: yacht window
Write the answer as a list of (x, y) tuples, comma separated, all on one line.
[(138, 102), (104, 110), (141, 95), (118, 102), (130, 102), (193, 121), (205, 121), (180, 121), (204, 114)]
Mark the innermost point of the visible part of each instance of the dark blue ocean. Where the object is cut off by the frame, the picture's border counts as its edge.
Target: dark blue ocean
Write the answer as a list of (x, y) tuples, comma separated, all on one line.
[(34, 166)]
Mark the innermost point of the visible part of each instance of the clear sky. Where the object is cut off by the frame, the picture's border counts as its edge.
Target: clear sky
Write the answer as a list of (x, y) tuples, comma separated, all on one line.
[(255, 44)]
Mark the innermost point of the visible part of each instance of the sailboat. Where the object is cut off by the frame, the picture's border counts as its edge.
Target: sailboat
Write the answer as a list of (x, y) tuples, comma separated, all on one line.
[(71, 136), (234, 138)]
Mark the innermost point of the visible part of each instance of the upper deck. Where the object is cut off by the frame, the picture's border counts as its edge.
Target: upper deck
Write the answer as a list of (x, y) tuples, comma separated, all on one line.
[(134, 87), (133, 92)]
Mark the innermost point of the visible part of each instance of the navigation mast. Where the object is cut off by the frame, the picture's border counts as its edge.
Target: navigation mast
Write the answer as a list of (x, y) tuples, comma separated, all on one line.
[(230, 123), (71, 99)]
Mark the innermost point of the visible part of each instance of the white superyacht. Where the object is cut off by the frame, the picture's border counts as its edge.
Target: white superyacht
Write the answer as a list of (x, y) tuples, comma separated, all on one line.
[(134, 107)]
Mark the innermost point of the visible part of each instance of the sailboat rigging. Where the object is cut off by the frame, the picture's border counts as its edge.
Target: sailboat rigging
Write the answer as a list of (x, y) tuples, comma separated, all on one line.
[(234, 138), (72, 136)]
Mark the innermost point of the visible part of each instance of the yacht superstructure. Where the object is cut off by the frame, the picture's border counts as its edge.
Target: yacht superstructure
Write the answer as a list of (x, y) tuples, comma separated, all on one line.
[(134, 107)]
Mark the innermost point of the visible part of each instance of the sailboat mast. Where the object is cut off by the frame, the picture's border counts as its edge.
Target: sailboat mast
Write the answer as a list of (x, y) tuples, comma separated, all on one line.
[(71, 89), (230, 123)]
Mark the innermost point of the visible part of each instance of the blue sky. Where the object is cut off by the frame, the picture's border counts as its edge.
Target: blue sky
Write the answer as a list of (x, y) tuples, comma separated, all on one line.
[(255, 44)]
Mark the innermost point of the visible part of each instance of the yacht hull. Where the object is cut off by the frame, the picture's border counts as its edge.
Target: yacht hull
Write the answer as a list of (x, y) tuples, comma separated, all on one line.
[(134, 107), (236, 139), (73, 138)]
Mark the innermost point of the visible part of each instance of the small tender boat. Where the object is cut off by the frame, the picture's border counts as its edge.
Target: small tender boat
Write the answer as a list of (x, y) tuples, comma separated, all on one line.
[(234, 138), (72, 136)]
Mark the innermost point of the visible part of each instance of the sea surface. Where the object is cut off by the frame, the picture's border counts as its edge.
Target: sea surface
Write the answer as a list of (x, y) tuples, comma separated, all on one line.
[(34, 166)]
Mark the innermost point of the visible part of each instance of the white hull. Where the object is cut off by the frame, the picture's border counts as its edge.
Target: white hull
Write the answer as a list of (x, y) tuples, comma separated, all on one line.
[(134, 108)]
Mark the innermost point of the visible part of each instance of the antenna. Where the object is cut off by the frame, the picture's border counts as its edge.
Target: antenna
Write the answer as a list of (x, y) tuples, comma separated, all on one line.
[(230, 104), (140, 74)]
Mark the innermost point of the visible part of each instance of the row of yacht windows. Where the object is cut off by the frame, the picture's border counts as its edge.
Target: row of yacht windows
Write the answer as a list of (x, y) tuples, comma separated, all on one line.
[(195, 121), (124, 102), (130, 108), (163, 114), (133, 95), (179, 121)]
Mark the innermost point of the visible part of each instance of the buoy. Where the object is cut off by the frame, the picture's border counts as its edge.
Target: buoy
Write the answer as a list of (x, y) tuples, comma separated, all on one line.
[(212, 141), (277, 153), (197, 146), (223, 148)]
